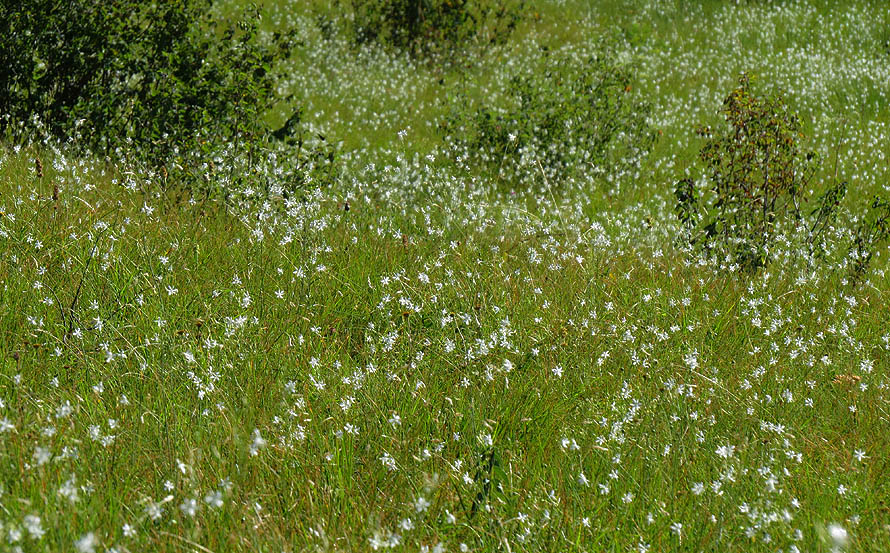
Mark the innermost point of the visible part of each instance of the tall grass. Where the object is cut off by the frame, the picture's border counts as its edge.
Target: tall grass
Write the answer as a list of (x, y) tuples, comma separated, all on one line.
[(417, 359)]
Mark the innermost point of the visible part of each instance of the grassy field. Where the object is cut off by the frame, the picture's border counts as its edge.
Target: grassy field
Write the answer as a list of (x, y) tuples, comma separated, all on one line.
[(422, 357)]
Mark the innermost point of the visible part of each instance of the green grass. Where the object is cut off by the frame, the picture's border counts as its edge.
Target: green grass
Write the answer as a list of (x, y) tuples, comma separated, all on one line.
[(445, 363)]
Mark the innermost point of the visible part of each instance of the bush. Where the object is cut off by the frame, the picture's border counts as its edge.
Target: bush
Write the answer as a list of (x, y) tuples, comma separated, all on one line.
[(567, 119), (755, 177), (430, 26), (162, 81), (871, 233)]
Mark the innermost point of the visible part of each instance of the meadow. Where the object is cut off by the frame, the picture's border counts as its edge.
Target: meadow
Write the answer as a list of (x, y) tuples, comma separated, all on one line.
[(438, 347)]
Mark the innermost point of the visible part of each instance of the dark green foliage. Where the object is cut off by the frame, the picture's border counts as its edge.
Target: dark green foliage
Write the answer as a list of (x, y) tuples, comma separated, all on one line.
[(756, 173), (164, 82), (824, 215), (884, 39), (871, 233), (687, 207), (427, 26), (566, 119)]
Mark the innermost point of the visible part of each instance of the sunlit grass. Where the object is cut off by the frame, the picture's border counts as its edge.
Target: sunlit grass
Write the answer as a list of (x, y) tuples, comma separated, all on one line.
[(416, 359)]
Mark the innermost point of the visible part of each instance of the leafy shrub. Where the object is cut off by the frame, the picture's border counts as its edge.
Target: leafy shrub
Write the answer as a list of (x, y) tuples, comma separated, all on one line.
[(884, 40), (565, 120), (872, 232), (425, 26), (162, 81), (755, 175), (824, 215)]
